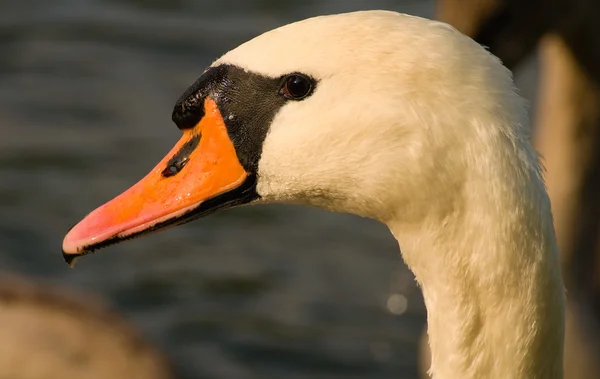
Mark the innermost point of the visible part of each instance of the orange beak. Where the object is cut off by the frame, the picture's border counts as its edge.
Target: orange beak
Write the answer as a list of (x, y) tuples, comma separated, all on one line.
[(200, 174)]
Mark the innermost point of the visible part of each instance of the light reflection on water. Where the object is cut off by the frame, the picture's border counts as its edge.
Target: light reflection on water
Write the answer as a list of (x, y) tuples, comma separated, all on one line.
[(86, 91)]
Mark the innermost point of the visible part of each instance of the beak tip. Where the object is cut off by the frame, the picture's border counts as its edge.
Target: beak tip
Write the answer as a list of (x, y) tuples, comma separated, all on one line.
[(71, 250), (70, 253), (71, 259)]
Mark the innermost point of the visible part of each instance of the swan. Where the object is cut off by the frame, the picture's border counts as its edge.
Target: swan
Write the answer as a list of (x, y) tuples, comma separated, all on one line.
[(387, 116)]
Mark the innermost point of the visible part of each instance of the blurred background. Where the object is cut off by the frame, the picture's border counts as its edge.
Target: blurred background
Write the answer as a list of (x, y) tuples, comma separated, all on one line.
[(86, 93)]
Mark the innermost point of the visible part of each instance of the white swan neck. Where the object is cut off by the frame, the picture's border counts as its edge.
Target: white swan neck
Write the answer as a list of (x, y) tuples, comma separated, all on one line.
[(492, 286)]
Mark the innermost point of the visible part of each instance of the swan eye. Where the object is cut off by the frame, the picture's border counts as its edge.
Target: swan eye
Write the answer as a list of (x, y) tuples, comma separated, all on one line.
[(296, 87)]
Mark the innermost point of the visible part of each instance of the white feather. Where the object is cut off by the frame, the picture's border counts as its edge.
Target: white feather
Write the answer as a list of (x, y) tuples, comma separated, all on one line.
[(417, 126)]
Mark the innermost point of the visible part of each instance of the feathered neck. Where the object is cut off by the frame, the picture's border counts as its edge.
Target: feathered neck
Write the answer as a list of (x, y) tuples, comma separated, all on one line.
[(489, 269)]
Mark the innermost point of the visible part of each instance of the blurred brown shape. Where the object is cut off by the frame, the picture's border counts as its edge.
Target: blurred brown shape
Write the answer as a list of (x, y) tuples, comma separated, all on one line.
[(567, 126), (47, 335), (568, 120)]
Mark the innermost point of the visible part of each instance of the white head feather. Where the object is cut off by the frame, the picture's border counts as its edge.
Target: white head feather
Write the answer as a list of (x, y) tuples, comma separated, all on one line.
[(369, 127)]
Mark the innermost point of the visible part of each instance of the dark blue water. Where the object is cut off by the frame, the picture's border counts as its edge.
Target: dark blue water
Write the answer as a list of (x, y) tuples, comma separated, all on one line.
[(86, 92)]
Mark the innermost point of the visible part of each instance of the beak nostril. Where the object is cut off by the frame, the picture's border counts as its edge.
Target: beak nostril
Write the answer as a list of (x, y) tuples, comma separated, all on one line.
[(174, 167), (181, 158)]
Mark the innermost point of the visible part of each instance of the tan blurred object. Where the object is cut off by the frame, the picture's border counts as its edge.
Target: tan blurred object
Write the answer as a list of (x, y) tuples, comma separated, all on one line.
[(569, 120), (567, 34), (47, 335)]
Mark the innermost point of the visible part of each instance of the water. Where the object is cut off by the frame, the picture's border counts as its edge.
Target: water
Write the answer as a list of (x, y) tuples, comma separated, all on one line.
[(86, 92)]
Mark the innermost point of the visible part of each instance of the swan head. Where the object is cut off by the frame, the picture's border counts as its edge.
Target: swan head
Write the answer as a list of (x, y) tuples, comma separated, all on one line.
[(373, 113)]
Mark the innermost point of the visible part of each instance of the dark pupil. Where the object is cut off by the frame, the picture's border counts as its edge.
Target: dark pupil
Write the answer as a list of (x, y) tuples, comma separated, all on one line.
[(297, 86)]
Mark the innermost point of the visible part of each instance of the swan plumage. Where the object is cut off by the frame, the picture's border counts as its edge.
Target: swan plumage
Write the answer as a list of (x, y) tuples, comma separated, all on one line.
[(407, 121)]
